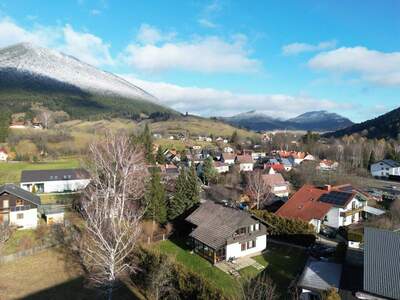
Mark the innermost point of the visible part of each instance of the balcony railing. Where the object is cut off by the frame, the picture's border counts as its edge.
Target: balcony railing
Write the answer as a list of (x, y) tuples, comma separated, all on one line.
[(351, 212), (20, 208)]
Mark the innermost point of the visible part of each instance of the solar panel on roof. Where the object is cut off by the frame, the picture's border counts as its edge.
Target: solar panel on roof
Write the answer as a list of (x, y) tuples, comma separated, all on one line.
[(335, 198), (346, 188)]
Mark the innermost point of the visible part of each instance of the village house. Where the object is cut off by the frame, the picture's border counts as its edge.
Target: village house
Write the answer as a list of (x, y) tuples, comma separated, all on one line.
[(223, 233), (327, 165), (287, 164), (228, 158), (228, 149), (54, 181), (318, 277), (18, 207), (276, 183), (258, 155), (18, 125), (386, 168), (220, 167), (332, 206), (245, 163), (3, 154), (381, 264)]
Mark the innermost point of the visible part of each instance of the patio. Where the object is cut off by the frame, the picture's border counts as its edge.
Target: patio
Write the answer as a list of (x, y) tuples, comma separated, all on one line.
[(233, 268)]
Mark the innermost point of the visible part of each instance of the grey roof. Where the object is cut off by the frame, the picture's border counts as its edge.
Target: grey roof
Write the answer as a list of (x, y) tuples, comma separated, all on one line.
[(20, 193), (382, 262), (320, 275), (390, 162), (54, 175), (217, 223)]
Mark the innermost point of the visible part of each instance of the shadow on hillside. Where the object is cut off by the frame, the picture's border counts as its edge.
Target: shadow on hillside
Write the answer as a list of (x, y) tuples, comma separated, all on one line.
[(77, 290)]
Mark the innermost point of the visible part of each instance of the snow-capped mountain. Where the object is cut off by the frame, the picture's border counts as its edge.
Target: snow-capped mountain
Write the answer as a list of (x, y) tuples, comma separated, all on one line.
[(314, 120), (45, 63)]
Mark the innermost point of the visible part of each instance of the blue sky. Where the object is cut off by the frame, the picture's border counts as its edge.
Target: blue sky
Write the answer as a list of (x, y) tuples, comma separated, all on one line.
[(223, 57)]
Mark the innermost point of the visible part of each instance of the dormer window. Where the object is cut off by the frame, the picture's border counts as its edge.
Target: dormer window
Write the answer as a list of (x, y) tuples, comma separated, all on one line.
[(257, 227), (241, 231)]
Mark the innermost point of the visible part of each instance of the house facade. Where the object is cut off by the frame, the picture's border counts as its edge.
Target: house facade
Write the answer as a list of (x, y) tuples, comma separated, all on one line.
[(276, 183), (228, 158), (223, 233), (245, 163), (3, 154), (386, 168), (221, 167), (54, 181), (331, 206), (18, 207)]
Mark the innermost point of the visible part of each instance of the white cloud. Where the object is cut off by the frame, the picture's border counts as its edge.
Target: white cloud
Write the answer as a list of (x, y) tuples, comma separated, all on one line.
[(369, 65), (207, 54), (85, 46), (148, 34), (206, 23), (296, 48), (213, 102)]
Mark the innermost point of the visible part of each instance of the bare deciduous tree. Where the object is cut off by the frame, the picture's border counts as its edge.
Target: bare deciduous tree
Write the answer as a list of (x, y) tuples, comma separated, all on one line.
[(5, 233), (260, 288), (162, 281), (257, 187), (112, 207)]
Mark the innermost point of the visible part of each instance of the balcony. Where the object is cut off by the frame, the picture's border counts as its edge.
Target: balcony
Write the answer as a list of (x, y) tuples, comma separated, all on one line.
[(351, 212), (20, 208)]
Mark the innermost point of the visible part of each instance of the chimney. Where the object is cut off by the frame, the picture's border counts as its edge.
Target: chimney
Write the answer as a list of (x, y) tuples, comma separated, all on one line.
[(328, 187)]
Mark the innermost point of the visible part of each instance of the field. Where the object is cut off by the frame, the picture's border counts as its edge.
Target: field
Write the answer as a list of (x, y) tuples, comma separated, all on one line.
[(49, 275), (10, 172), (195, 126)]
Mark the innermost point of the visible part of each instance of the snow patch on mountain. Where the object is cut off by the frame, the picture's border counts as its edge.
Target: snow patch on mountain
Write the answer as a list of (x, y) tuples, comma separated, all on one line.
[(38, 61)]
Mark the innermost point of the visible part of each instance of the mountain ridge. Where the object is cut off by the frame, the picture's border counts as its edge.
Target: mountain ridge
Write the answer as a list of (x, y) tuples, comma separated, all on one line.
[(315, 120)]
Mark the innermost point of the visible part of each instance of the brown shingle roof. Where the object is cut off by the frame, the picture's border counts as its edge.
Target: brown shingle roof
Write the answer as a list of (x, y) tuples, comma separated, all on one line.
[(216, 223), (274, 179)]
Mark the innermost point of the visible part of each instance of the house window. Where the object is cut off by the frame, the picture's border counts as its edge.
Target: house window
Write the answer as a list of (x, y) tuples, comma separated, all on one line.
[(243, 246), (20, 216), (257, 227), (19, 202), (241, 231), (251, 228), (6, 204), (251, 244)]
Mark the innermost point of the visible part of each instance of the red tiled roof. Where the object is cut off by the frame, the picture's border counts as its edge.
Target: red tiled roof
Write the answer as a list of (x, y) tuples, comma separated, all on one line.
[(304, 205), (244, 159), (276, 167)]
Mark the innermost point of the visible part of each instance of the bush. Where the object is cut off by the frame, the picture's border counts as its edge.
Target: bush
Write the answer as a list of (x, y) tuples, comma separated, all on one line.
[(355, 236), (283, 226), (185, 283), (340, 253)]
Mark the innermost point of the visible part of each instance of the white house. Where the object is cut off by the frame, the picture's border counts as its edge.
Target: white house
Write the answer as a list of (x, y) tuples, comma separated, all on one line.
[(332, 206), (228, 149), (54, 181), (386, 168), (276, 183), (18, 207), (222, 233), (3, 154), (328, 165), (228, 158), (245, 163), (221, 167)]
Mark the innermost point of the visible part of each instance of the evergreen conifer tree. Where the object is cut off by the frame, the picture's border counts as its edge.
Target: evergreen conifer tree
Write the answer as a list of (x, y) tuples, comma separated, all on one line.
[(157, 208)]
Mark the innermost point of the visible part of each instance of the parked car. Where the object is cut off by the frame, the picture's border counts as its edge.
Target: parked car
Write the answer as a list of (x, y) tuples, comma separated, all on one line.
[(328, 232)]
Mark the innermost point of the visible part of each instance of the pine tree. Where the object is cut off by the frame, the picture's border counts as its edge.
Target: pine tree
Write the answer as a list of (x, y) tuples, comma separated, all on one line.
[(177, 203), (235, 138), (147, 141), (157, 209), (192, 188), (371, 159), (209, 172), (160, 158)]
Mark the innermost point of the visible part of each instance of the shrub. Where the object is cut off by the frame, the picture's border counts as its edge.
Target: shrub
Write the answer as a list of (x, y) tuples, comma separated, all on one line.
[(355, 236), (340, 253), (187, 284)]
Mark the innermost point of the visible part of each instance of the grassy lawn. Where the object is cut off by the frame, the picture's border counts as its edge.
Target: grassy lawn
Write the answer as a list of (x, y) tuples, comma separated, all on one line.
[(20, 240), (282, 264), (11, 171), (48, 275), (201, 266), (58, 198)]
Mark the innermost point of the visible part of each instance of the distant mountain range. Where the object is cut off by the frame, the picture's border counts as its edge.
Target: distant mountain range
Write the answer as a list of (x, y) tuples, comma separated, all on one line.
[(384, 126), (315, 120), (61, 82)]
